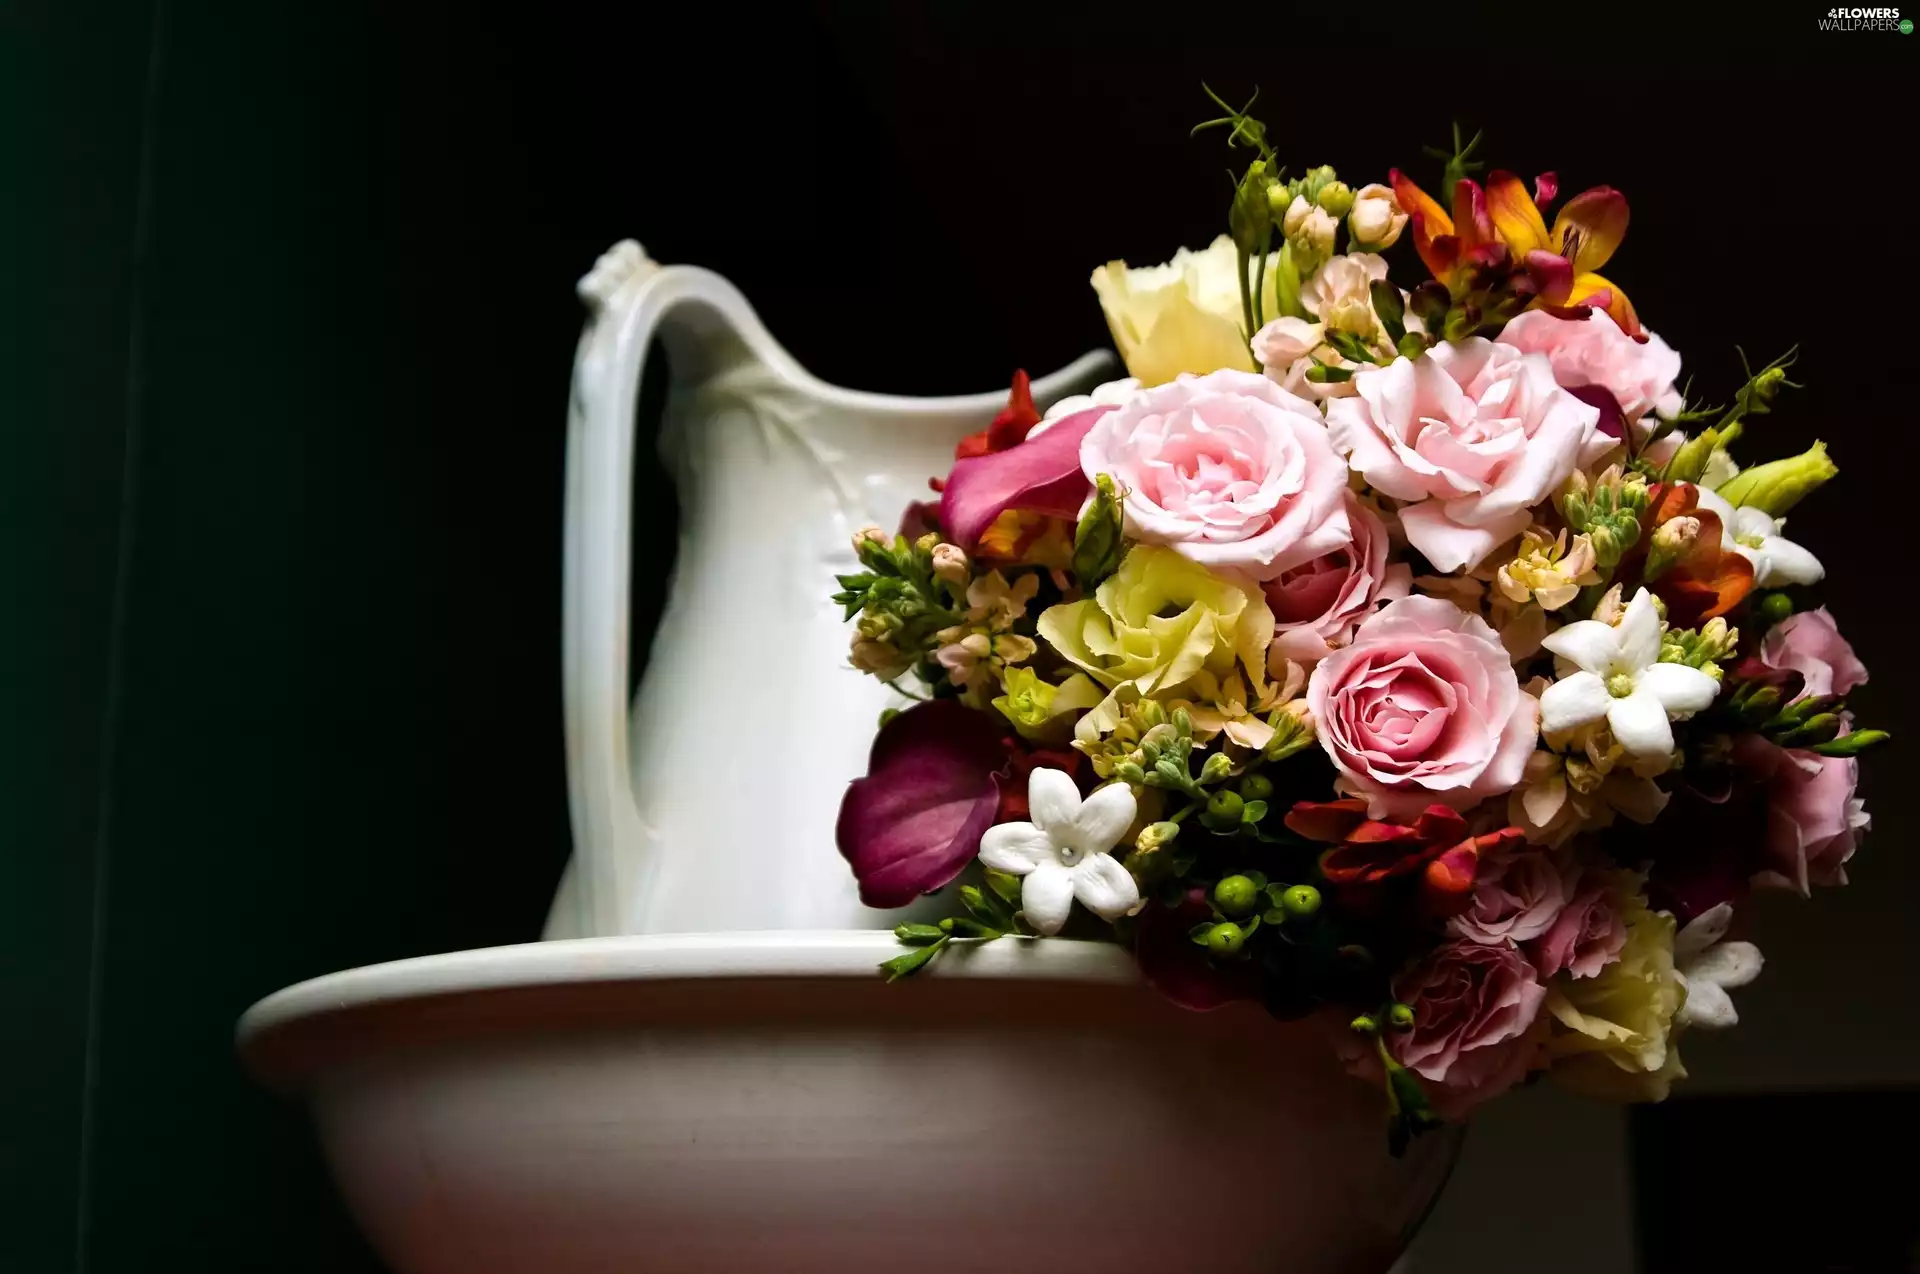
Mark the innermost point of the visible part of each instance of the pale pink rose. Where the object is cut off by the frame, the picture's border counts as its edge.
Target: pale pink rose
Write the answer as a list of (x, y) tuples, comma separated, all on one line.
[(1814, 820), (1595, 352), (1423, 707), (1586, 937), (1317, 604), (1810, 644), (1473, 435), (1474, 1007), (1228, 469), (1517, 895)]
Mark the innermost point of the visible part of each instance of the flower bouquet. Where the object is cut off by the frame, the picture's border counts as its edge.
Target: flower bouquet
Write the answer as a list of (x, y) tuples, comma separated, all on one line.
[(1421, 659)]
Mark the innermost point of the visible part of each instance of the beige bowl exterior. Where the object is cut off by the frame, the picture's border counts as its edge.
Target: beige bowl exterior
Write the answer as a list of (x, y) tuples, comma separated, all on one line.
[(764, 1102)]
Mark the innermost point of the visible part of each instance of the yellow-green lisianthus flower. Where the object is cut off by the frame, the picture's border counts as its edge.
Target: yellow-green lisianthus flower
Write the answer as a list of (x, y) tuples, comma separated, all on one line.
[(1184, 316), (1158, 622), (1041, 710), (1612, 1037)]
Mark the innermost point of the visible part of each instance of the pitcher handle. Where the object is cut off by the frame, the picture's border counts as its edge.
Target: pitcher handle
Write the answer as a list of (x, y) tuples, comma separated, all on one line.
[(627, 296)]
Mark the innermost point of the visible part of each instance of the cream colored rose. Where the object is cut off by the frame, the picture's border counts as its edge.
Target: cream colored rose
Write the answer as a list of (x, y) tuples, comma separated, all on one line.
[(1611, 1036), (1184, 316)]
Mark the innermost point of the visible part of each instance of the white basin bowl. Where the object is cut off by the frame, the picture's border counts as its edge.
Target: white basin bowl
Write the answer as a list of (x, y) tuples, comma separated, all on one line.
[(711, 1103)]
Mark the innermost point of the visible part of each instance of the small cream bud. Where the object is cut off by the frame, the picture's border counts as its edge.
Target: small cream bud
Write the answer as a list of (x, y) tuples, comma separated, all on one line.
[(1297, 213), (1376, 219), (869, 534), (950, 563)]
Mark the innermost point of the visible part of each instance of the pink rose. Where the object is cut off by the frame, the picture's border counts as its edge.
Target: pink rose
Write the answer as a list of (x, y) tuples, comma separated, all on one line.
[(1517, 895), (1229, 469), (1810, 644), (1472, 435), (1640, 374), (1423, 707), (1814, 821), (1587, 936), (1317, 604), (1473, 1010)]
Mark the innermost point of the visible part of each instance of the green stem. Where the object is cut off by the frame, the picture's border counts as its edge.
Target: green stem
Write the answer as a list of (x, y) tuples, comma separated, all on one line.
[(1246, 297), (1259, 296), (906, 693)]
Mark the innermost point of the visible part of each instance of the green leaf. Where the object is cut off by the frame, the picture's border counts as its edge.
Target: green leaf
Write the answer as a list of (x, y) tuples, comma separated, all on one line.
[(1274, 915), (962, 927), (1322, 374), (1199, 933), (1387, 304), (1851, 744), (1005, 885), (913, 961), (1252, 812), (918, 935), (1258, 878)]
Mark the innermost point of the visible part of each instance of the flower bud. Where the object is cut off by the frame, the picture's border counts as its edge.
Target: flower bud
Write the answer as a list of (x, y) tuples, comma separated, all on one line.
[(1236, 895), (1336, 198), (1364, 1025), (1130, 773), (950, 563), (1777, 486), (878, 659), (1296, 216), (1097, 538), (1401, 1017), (869, 534), (1313, 243), (1155, 835), (1376, 220), (1669, 544), (1216, 768)]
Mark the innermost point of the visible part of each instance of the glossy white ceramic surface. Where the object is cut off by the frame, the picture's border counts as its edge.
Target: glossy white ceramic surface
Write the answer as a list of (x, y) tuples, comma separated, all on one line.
[(723, 1103), (711, 805)]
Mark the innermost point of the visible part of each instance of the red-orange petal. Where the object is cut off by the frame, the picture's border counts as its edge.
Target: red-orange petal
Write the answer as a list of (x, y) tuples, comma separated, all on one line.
[(1430, 224), (1591, 289), (1326, 820)]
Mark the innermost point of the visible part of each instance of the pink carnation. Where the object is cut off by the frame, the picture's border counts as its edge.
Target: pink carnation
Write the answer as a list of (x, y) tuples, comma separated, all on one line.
[(1640, 374), (1472, 435), (1423, 707), (1586, 937), (1814, 820), (1317, 604), (1810, 644), (1473, 1010), (1228, 468), (1518, 893)]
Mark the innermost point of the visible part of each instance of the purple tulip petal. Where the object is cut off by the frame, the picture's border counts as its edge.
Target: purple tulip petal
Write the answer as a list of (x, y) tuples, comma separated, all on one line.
[(1041, 474), (931, 791)]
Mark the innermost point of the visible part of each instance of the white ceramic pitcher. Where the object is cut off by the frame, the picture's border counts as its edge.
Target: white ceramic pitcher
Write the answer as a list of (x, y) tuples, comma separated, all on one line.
[(711, 806)]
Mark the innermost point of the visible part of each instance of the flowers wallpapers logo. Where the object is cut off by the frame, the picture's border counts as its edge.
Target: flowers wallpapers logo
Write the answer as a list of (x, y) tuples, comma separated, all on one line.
[(1401, 645)]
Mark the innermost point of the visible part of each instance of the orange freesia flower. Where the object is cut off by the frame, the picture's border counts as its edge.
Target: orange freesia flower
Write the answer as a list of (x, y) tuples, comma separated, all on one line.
[(1503, 221), (1707, 581), (1585, 234)]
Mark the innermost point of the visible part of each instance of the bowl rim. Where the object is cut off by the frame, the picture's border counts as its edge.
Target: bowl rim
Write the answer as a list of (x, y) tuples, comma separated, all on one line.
[(840, 953)]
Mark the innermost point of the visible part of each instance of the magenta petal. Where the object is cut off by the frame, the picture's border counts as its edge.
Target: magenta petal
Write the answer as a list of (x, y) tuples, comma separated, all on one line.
[(1552, 275), (931, 791), (1546, 187), (1041, 474), (1613, 423)]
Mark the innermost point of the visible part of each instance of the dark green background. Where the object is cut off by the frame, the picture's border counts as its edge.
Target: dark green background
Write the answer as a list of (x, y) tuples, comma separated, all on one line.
[(288, 320)]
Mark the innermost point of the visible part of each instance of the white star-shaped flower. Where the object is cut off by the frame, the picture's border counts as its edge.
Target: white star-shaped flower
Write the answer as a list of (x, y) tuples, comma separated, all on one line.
[(1755, 535), (1063, 852), (1710, 967), (1621, 679)]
